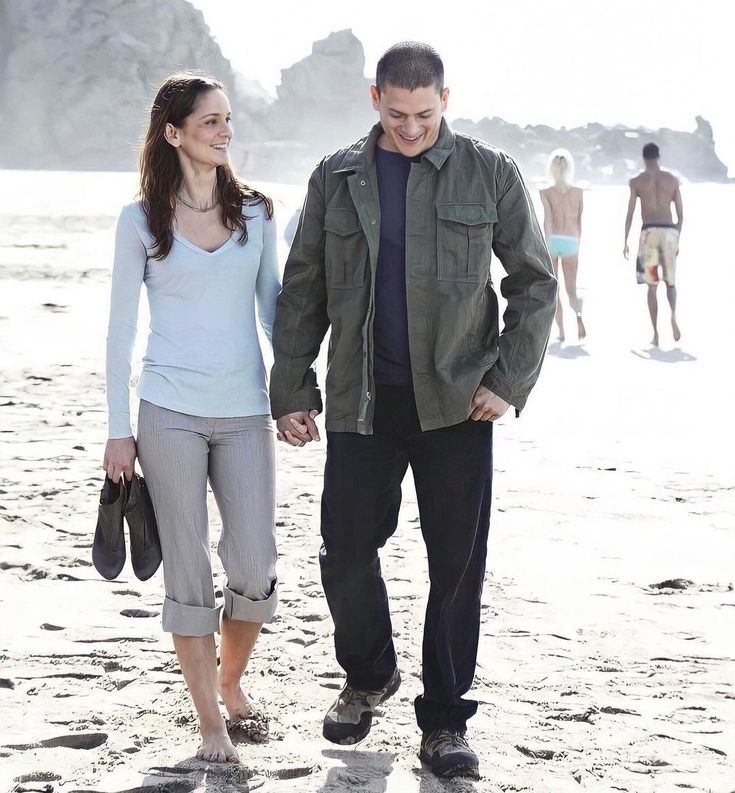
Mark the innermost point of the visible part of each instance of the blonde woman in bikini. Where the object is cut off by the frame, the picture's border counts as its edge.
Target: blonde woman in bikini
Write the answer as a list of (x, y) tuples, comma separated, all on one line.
[(563, 228)]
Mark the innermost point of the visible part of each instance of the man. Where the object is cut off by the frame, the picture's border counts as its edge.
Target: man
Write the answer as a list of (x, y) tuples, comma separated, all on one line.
[(659, 242), (393, 251)]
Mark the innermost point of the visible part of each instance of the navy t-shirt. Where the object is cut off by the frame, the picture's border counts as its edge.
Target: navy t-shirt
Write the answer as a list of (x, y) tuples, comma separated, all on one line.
[(391, 357)]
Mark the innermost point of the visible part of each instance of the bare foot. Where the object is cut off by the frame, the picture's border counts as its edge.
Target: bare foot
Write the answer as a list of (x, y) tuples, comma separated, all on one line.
[(675, 329), (654, 340), (560, 337), (217, 747), (581, 330), (236, 700)]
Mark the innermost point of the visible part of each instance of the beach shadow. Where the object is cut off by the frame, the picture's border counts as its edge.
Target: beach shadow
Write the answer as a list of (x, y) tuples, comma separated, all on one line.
[(193, 774), (369, 770), (559, 350), (677, 355)]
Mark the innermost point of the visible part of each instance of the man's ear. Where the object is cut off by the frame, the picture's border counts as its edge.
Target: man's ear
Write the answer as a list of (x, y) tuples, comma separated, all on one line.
[(444, 99), (375, 96)]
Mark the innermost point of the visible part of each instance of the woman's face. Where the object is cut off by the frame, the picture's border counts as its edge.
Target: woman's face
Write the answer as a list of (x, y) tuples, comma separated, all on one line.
[(558, 169), (206, 133)]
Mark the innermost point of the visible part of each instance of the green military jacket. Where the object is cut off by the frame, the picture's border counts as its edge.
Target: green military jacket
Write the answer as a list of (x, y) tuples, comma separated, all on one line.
[(465, 200)]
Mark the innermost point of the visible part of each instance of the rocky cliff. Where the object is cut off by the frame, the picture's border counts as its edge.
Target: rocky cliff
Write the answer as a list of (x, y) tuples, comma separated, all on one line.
[(322, 104), (77, 78), (603, 155)]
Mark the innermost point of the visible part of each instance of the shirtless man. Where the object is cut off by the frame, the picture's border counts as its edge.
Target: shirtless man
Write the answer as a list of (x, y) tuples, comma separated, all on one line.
[(659, 242), (563, 229)]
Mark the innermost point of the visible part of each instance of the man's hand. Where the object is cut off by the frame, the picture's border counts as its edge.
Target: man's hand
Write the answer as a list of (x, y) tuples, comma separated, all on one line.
[(626, 251), (120, 454), (487, 406), (297, 429)]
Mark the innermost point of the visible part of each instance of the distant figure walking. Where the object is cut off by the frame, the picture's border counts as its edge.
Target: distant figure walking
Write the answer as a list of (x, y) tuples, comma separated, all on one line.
[(659, 242), (563, 207)]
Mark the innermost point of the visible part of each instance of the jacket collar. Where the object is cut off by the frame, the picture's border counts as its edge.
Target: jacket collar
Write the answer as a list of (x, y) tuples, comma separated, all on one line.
[(361, 155)]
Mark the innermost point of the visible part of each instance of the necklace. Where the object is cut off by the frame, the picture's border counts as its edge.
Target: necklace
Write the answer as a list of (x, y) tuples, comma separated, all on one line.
[(197, 209)]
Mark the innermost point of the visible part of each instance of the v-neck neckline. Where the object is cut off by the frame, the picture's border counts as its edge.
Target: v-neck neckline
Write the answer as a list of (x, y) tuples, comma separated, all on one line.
[(197, 249)]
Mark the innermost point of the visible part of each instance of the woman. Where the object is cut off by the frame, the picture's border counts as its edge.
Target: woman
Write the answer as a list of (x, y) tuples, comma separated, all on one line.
[(563, 228), (204, 245)]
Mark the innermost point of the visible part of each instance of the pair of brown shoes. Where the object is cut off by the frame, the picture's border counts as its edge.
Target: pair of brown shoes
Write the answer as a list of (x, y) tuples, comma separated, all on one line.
[(131, 501)]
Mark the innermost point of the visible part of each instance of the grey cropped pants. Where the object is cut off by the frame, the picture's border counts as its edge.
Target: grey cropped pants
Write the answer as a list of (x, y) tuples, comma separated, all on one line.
[(178, 453)]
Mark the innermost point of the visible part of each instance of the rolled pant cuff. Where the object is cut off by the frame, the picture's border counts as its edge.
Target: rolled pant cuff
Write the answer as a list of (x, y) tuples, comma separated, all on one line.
[(239, 607), (186, 620)]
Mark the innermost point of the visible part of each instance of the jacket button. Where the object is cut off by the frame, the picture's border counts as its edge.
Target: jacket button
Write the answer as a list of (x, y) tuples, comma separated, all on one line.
[(368, 395), (363, 183), (373, 222)]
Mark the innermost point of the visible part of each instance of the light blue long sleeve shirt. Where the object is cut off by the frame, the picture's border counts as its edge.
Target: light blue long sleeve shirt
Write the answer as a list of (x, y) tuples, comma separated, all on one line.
[(203, 356)]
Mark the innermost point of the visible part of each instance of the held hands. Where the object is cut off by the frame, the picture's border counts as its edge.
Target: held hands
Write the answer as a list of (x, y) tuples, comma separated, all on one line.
[(487, 406), (297, 429), (120, 454)]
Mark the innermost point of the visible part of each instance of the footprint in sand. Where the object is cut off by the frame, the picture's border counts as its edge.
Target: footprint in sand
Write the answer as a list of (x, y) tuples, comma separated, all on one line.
[(296, 772), (539, 754), (38, 776), (79, 740), (673, 583), (139, 613)]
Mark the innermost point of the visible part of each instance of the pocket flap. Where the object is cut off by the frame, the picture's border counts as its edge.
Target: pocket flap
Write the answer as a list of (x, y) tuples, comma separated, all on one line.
[(468, 214), (341, 221)]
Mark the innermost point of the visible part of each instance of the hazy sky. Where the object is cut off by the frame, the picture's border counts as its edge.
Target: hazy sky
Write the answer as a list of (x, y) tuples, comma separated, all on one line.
[(639, 62)]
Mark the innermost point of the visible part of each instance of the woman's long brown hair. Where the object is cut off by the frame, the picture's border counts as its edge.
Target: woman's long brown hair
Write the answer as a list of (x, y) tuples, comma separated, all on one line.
[(160, 172)]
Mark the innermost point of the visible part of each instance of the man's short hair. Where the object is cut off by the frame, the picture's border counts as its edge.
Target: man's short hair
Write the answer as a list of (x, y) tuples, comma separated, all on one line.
[(410, 65), (651, 152)]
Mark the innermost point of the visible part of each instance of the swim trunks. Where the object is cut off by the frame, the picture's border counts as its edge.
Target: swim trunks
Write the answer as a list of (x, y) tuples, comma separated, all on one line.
[(658, 247), (562, 245)]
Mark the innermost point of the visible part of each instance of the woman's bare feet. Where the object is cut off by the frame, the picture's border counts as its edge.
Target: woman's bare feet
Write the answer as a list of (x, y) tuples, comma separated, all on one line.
[(236, 700), (216, 745), (581, 330)]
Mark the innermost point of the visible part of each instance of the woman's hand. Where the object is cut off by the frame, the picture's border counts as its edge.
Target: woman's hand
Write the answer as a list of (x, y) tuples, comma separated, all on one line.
[(119, 458), (297, 429)]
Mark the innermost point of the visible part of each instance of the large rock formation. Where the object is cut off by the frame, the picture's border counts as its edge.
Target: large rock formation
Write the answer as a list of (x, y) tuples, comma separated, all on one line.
[(323, 104), (77, 78), (603, 154)]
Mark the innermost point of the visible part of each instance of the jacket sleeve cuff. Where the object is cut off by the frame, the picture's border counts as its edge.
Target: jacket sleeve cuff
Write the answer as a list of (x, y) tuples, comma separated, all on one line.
[(502, 388), (300, 401)]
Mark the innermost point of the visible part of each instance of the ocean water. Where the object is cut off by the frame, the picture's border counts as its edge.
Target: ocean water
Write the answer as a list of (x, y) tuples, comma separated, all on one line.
[(86, 193)]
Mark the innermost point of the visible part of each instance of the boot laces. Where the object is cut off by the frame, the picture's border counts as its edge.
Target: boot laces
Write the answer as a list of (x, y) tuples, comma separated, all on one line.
[(446, 739)]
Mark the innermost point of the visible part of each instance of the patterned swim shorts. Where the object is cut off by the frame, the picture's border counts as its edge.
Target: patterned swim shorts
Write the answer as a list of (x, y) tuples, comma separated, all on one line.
[(658, 248)]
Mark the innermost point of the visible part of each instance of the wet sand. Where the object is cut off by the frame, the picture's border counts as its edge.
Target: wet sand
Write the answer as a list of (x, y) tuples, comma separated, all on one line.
[(607, 659)]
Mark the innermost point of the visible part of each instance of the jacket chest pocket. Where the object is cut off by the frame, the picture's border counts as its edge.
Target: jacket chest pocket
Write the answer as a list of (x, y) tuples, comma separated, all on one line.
[(345, 249), (464, 239)]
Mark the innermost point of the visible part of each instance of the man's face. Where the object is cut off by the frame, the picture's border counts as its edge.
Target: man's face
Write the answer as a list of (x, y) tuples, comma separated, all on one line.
[(410, 119)]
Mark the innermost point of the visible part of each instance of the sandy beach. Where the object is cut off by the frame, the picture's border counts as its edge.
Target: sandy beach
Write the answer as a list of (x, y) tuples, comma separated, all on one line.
[(607, 656)]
